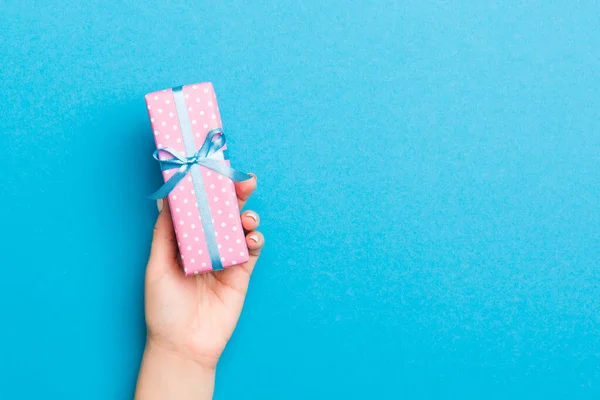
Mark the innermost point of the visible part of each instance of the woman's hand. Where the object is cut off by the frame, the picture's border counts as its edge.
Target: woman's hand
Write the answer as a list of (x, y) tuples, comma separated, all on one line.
[(190, 319)]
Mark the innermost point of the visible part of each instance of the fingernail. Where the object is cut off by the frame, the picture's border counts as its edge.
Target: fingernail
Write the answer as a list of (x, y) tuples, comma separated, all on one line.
[(159, 204), (252, 214), (254, 175), (253, 237)]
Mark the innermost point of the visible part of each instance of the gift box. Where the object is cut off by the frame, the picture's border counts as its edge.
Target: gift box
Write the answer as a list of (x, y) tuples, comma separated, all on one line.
[(198, 178)]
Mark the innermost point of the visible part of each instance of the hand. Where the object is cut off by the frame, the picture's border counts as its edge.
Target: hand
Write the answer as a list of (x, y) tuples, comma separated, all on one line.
[(190, 319)]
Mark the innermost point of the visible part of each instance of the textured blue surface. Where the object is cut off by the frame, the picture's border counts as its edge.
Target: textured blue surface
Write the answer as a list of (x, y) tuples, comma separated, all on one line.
[(429, 182)]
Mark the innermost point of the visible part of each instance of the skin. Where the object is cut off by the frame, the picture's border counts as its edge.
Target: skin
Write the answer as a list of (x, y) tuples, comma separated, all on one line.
[(190, 320)]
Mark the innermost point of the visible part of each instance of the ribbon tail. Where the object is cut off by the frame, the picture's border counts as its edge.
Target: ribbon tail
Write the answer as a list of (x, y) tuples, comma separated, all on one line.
[(169, 185), (224, 170)]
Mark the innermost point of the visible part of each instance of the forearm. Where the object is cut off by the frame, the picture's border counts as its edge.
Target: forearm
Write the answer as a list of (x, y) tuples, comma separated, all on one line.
[(167, 375)]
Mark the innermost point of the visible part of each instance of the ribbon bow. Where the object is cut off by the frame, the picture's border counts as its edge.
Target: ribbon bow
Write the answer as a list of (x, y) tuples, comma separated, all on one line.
[(214, 142)]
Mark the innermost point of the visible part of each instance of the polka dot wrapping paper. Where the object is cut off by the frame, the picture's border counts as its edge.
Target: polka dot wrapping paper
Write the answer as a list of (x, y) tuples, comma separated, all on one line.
[(203, 113)]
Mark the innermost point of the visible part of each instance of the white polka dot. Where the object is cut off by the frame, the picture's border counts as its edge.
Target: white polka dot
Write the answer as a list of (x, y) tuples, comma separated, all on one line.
[(204, 264), (223, 224), (219, 212), (213, 116), (174, 197), (185, 235), (189, 178), (193, 191), (201, 112), (199, 251), (238, 240), (222, 259), (230, 250), (167, 137), (177, 209), (156, 132), (189, 248), (208, 173), (160, 110), (149, 107), (216, 233), (223, 190), (185, 269), (234, 262), (230, 215), (189, 213), (242, 253), (197, 99), (193, 226), (196, 239), (216, 199), (219, 246), (164, 123), (226, 237), (151, 119), (175, 127), (181, 187), (195, 272), (197, 134), (212, 186), (234, 228), (181, 222), (210, 103), (178, 140), (220, 177), (194, 122), (189, 108), (194, 87), (213, 220), (206, 125), (167, 101), (192, 260), (171, 115), (205, 90), (185, 201), (227, 203), (187, 96), (155, 97)]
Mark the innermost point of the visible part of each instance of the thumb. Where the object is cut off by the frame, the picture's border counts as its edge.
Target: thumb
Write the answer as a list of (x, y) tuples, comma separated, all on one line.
[(164, 244)]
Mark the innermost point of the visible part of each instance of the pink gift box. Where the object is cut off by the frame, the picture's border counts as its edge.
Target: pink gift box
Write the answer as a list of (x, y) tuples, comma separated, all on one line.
[(203, 116)]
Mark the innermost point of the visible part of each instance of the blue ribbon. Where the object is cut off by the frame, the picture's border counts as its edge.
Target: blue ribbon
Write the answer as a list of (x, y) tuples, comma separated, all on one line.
[(205, 156), (215, 140)]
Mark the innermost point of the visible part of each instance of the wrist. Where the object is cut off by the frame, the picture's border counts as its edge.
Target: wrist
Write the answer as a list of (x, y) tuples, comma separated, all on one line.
[(156, 344), (156, 351), (168, 374)]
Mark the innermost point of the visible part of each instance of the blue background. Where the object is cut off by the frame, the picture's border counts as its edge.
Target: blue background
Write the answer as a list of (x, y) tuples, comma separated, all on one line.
[(429, 183)]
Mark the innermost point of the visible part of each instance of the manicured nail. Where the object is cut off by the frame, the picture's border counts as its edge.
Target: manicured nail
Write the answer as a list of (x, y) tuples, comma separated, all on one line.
[(252, 214), (159, 204), (253, 237), (254, 175)]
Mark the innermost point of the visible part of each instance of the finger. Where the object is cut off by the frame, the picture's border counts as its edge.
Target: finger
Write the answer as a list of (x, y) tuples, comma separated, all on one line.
[(164, 243), (244, 190), (238, 277), (250, 220), (255, 242)]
